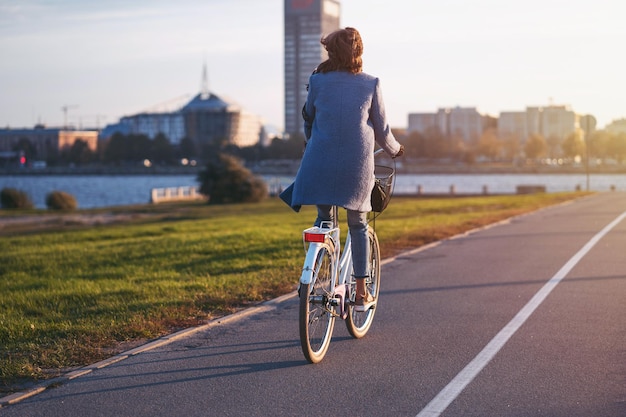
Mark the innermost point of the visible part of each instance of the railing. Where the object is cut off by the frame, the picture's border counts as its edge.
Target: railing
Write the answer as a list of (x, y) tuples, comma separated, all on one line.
[(161, 195)]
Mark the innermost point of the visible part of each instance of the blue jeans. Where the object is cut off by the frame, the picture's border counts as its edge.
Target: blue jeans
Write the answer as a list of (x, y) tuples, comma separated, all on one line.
[(357, 223)]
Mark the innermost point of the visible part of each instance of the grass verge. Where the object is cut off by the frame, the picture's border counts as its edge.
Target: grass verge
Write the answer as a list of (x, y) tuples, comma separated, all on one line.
[(74, 293)]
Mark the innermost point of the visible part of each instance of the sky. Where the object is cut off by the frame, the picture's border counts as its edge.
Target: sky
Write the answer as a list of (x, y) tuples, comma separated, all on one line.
[(108, 59)]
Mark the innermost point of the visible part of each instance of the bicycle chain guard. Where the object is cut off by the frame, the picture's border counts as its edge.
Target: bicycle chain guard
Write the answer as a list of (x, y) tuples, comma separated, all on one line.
[(342, 294)]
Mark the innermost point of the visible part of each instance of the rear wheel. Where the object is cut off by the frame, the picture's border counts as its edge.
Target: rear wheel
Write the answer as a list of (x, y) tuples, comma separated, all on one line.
[(358, 323), (317, 314)]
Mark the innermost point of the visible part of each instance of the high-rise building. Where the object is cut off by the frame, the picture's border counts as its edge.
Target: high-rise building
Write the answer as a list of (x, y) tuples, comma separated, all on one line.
[(306, 22)]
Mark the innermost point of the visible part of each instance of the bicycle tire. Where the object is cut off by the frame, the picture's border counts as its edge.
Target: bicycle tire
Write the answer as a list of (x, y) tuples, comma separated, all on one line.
[(359, 323), (317, 315)]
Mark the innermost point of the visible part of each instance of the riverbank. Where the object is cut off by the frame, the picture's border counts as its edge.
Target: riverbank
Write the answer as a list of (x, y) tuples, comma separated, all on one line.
[(290, 167), (102, 170)]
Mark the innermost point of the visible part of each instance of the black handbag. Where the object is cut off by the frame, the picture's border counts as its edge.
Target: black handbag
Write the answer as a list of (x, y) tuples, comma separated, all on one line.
[(381, 193)]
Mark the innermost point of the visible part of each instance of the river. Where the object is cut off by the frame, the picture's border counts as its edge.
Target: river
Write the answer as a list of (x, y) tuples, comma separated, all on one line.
[(96, 191)]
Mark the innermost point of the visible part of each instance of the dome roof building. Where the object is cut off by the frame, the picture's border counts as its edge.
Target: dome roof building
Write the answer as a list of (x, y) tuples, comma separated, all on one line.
[(215, 121)]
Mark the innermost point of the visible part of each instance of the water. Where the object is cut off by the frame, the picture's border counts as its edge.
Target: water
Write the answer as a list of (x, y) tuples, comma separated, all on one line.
[(507, 183), (495, 183), (93, 191)]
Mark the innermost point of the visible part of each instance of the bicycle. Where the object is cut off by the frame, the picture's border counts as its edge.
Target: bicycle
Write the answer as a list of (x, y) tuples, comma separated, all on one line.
[(327, 289)]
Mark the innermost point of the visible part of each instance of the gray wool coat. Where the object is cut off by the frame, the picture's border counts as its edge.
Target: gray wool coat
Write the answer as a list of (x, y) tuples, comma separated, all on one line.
[(345, 118)]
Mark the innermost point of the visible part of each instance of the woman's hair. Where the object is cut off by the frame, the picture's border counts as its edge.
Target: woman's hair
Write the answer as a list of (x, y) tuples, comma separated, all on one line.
[(345, 48)]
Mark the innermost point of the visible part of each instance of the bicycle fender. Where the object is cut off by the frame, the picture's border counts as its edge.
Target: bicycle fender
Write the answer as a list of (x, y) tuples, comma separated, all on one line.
[(307, 270)]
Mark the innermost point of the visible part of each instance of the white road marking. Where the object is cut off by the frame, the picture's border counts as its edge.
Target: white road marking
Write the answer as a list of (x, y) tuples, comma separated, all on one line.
[(458, 384)]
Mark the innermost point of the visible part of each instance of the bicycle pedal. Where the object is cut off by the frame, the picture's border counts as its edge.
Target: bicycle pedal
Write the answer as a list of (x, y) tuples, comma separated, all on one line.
[(335, 301)]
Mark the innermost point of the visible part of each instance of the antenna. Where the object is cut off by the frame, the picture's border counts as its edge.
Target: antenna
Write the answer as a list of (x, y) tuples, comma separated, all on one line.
[(204, 86), (65, 108)]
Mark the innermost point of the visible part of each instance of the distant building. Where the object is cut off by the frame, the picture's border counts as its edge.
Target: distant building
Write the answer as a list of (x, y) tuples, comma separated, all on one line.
[(465, 123), (207, 120), (513, 125), (171, 125), (306, 22), (422, 122), (46, 143), (588, 123), (557, 122), (551, 122), (616, 126), (211, 120)]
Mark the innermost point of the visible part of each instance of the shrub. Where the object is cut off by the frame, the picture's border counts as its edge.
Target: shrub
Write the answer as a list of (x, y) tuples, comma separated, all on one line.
[(10, 198), (225, 180), (60, 200)]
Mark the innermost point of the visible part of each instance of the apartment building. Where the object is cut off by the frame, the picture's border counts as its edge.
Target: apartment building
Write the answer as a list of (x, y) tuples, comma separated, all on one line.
[(552, 122), (465, 123)]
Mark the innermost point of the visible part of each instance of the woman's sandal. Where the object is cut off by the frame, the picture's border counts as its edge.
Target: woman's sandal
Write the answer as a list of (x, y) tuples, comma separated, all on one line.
[(362, 303)]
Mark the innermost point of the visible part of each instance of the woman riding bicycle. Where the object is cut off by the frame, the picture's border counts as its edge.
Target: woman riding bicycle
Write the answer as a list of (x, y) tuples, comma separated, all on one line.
[(344, 116)]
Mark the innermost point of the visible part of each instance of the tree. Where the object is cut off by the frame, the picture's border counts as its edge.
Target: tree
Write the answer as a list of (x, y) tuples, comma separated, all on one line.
[(429, 144), (188, 148), (162, 150), (79, 153), (510, 146), (573, 146), (127, 148), (553, 146), (535, 147), (26, 146), (290, 148), (416, 146), (115, 150), (138, 147), (617, 147), (597, 144), (488, 145), (225, 180)]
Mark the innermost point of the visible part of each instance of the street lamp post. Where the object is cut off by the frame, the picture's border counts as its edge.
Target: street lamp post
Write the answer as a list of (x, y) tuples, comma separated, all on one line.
[(588, 125)]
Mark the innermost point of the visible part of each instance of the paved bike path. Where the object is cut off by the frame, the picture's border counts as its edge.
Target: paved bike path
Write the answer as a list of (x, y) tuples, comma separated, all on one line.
[(439, 308)]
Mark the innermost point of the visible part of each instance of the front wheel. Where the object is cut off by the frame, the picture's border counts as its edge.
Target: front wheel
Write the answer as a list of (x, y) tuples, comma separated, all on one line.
[(358, 323), (317, 314)]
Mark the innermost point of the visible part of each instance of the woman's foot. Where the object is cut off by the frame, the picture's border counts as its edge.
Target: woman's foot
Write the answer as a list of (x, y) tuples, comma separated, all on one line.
[(364, 302)]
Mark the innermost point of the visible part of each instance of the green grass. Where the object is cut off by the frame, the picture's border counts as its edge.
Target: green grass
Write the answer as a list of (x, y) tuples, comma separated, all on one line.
[(71, 294)]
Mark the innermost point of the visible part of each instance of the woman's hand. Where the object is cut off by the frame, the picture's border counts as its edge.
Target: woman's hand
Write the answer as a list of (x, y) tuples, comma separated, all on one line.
[(400, 152)]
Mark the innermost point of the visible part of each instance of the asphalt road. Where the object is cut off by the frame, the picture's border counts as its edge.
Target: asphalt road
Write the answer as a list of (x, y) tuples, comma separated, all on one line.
[(524, 318)]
